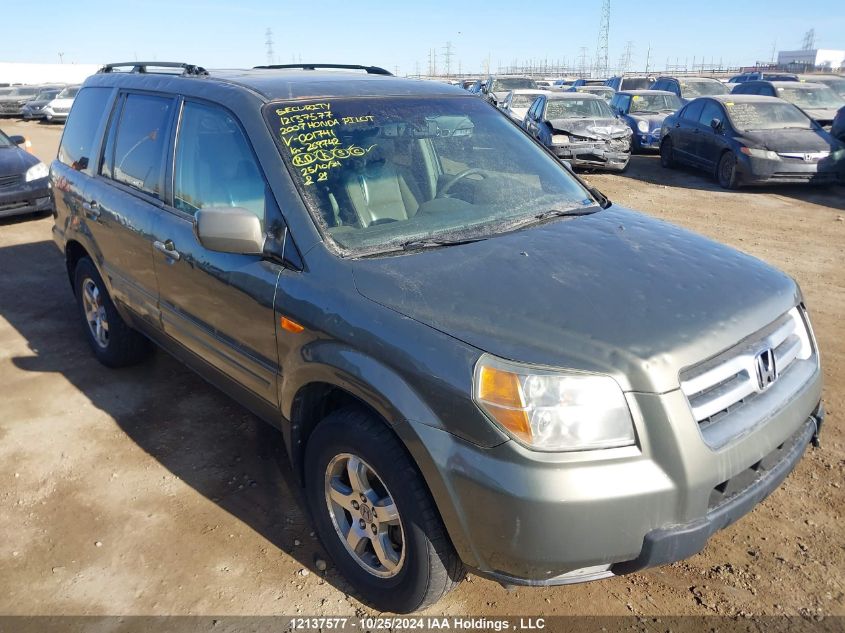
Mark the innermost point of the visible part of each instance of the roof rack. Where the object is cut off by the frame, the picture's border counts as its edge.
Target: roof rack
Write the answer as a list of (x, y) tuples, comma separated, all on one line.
[(141, 67), (371, 70)]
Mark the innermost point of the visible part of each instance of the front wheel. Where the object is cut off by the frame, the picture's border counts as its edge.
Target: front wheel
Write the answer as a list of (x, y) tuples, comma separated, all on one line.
[(726, 171), (375, 515)]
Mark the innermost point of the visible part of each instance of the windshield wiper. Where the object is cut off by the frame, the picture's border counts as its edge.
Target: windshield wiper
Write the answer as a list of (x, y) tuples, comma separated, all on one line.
[(557, 213), (429, 242)]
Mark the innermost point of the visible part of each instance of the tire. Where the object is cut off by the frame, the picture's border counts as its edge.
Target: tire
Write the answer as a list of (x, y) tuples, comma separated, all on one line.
[(114, 343), (423, 563), (667, 154), (726, 171)]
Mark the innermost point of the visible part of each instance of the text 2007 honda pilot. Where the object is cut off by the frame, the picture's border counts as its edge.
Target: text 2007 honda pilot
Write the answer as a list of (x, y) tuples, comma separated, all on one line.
[(476, 360)]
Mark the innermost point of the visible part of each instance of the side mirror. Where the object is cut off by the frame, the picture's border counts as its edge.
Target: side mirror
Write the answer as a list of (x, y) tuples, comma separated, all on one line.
[(17, 139), (716, 124), (230, 230)]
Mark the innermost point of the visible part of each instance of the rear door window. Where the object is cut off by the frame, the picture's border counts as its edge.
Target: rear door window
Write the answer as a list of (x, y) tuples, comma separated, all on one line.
[(140, 143), (79, 136)]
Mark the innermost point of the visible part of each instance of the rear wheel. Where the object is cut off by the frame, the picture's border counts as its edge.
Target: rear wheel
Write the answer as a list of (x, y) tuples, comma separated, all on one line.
[(375, 515), (667, 154), (726, 171), (113, 342)]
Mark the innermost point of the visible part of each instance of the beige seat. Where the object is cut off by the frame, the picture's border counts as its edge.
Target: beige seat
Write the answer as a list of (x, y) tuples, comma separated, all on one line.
[(378, 192)]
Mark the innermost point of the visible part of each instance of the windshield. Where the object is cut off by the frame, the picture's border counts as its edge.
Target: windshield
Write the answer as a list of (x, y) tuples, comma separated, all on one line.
[(834, 83), (46, 95), (636, 83), (766, 116), (522, 100), (702, 88), (68, 93), (513, 83), (655, 103), (811, 96), (22, 92), (589, 108), (380, 173)]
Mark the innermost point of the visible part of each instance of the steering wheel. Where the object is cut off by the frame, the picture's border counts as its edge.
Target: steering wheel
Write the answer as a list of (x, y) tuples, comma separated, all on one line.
[(458, 177)]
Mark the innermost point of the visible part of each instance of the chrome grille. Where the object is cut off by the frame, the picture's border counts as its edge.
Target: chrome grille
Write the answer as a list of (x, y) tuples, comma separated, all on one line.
[(730, 379)]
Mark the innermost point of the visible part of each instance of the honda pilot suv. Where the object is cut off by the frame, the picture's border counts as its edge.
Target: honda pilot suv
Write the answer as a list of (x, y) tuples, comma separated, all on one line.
[(476, 360)]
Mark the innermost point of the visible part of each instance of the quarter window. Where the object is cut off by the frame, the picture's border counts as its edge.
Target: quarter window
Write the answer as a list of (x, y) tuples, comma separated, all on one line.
[(140, 141), (215, 165), (82, 124)]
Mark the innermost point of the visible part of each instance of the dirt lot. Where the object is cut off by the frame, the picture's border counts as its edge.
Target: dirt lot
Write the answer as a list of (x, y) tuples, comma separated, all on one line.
[(145, 491)]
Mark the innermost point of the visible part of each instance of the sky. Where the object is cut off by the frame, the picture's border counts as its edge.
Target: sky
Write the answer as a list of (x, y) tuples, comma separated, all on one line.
[(399, 35)]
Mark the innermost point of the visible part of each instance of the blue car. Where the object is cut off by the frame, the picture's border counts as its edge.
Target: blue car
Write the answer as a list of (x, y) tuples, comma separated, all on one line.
[(644, 111)]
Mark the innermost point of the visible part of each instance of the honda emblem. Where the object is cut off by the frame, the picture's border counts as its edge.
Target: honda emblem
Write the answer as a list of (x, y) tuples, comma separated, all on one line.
[(767, 371)]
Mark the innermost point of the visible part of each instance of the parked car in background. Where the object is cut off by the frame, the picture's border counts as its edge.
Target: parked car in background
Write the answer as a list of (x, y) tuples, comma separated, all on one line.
[(643, 111), (562, 84), (12, 102), (766, 76), (466, 84), (604, 92), (751, 139), (58, 109), (34, 108), (24, 187), (517, 102), (580, 129), (817, 100), (543, 84), (629, 82), (834, 82), (587, 81), (838, 127), (496, 88), (688, 88)]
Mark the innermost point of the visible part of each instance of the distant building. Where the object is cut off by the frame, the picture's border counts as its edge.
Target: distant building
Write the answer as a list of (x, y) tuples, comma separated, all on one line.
[(818, 58), (21, 73)]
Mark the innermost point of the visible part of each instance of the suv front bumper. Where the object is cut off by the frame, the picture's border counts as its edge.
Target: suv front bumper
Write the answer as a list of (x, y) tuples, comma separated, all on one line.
[(532, 518)]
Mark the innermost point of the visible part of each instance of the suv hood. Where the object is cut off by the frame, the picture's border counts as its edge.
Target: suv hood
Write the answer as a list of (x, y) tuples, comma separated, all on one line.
[(597, 129), (654, 120), (615, 292)]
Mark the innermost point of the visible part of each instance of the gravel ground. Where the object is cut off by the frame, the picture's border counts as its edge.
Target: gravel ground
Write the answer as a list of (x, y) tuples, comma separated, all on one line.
[(146, 491)]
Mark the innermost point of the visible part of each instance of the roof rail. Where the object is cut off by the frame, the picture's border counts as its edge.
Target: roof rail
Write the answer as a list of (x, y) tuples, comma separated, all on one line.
[(371, 70), (142, 67)]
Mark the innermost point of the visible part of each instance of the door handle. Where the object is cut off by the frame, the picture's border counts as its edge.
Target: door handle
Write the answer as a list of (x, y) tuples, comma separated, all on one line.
[(168, 248), (92, 209), (677, 125)]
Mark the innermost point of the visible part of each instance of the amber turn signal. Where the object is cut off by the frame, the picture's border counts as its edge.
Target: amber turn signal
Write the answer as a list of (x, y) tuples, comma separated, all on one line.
[(290, 325)]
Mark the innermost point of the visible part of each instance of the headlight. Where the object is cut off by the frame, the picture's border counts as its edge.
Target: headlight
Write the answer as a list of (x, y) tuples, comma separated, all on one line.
[(802, 330), (39, 170), (560, 139), (759, 153), (642, 126), (553, 410)]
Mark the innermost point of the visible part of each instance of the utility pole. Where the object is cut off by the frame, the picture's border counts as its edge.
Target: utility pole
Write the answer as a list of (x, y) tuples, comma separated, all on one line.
[(647, 58), (604, 39), (625, 61), (447, 53), (268, 42), (61, 58), (582, 62)]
